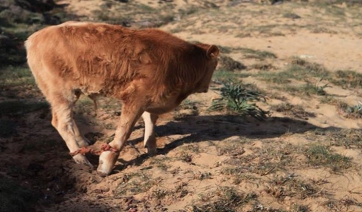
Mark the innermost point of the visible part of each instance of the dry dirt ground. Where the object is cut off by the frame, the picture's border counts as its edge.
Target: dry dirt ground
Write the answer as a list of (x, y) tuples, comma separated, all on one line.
[(306, 156)]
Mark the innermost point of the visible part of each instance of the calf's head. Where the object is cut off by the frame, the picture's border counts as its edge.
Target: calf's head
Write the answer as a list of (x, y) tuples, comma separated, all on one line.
[(212, 53)]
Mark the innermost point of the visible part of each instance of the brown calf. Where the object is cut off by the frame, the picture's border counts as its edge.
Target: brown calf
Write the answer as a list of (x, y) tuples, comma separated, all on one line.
[(150, 71)]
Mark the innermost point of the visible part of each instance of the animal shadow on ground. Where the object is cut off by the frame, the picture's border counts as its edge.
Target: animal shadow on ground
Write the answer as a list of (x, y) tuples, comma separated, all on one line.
[(216, 128)]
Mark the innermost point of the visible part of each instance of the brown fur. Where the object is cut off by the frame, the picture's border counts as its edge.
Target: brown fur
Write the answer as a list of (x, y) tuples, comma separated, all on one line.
[(149, 70)]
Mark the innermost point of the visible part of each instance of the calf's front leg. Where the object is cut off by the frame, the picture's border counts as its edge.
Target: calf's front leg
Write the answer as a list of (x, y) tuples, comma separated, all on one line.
[(64, 123), (129, 116)]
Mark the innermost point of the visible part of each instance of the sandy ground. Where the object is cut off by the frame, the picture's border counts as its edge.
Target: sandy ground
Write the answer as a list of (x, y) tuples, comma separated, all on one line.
[(202, 156)]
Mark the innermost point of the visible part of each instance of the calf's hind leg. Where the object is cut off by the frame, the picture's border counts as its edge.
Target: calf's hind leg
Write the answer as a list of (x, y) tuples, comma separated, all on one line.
[(81, 140), (150, 137)]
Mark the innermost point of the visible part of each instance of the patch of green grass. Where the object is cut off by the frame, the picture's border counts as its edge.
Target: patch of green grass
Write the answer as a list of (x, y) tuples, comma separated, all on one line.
[(233, 149), (346, 79), (14, 197), (300, 208), (264, 168), (319, 155), (105, 16), (161, 162), (306, 89), (256, 54), (189, 104), (315, 69), (327, 99), (347, 202), (332, 204), (181, 190), (83, 103), (316, 89), (243, 35), (264, 29), (237, 170), (332, 3), (167, 18), (263, 66), (110, 105), (186, 109), (298, 69), (342, 204), (185, 157), (225, 49), (238, 178), (159, 193), (224, 199), (349, 138), (240, 99), (222, 75), (348, 111), (290, 186), (291, 15), (319, 29), (203, 176), (135, 14), (267, 162), (292, 110), (135, 183), (14, 33), (189, 10), (192, 148), (15, 76), (15, 108), (336, 12), (146, 8), (229, 64), (276, 77)]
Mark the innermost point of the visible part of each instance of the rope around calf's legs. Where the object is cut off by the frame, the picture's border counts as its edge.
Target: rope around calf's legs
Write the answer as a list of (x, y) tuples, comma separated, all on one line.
[(87, 150)]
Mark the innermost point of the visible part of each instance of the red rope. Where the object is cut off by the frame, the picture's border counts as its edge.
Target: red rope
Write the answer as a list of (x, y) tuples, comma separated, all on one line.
[(88, 150)]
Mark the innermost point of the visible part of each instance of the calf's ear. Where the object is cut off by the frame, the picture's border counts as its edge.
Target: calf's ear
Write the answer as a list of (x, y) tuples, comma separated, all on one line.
[(212, 51)]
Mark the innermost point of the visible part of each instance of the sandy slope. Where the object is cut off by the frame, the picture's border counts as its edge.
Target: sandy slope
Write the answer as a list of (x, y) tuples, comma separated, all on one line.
[(196, 150), (334, 51)]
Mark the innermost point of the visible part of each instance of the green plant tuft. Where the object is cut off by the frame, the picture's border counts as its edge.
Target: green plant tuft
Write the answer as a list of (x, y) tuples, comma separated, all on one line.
[(236, 98), (352, 112), (319, 155)]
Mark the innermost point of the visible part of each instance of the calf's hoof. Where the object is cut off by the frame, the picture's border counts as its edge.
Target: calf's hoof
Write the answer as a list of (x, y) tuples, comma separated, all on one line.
[(81, 159), (151, 150), (106, 162)]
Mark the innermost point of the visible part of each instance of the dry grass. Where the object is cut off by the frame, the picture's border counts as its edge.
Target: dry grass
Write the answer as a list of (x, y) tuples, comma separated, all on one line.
[(295, 160)]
